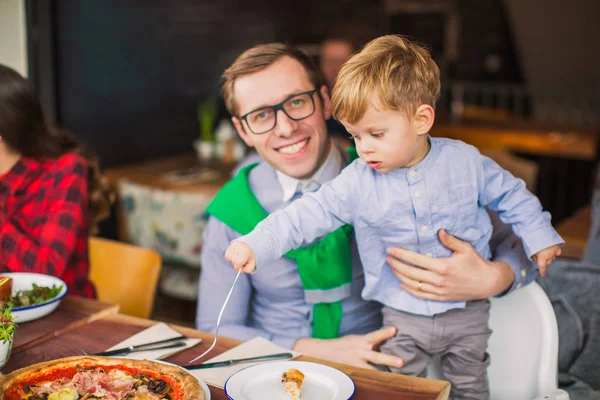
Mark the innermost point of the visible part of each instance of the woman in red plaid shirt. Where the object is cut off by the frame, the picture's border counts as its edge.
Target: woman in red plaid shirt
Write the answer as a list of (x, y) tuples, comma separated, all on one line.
[(50, 192)]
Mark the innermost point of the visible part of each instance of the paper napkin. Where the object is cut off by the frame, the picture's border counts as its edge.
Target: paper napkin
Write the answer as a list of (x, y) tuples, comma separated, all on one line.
[(160, 331), (252, 348)]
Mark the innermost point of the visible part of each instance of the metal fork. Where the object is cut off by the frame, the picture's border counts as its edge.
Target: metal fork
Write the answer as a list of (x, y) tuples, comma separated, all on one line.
[(219, 318)]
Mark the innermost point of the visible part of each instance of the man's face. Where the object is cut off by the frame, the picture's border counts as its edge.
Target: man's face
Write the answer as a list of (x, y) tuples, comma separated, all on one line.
[(334, 54), (296, 148)]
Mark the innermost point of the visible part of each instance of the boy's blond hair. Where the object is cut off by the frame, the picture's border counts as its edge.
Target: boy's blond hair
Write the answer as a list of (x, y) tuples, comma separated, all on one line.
[(399, 72), (259, 58)]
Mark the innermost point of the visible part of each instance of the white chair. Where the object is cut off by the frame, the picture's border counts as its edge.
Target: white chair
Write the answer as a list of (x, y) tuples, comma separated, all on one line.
[(523, 347)]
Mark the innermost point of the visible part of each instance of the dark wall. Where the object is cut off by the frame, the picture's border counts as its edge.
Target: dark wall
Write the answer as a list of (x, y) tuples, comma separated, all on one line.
[(130, 73)]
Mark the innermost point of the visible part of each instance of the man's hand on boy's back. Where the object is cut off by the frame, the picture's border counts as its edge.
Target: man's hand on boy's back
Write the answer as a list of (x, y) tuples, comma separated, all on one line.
[(241, 256), (545, 257)]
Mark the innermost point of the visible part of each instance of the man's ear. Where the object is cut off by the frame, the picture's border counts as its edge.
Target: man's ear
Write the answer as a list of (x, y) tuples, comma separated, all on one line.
[(239, 127), (423, 120), (326, 102)]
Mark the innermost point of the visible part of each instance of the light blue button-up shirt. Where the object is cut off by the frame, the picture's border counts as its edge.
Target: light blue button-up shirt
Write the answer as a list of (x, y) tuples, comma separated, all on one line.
[(405, 208)]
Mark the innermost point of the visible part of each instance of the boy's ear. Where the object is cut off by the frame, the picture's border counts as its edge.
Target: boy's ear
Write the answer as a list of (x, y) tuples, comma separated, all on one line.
[(239, 127), (424, 117)]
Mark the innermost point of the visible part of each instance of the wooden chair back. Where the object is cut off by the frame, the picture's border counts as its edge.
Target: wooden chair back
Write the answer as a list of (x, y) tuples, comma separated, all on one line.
[(124, 274)]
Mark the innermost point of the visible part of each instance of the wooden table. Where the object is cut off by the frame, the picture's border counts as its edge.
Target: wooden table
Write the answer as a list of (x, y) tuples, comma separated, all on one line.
[(153, 173), (535, 138), (575, 231), (105, 329)]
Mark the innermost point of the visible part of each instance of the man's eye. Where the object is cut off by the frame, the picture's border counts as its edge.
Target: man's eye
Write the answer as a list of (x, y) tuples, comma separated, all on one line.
[(261, 115), (377, 135), (297, 102)]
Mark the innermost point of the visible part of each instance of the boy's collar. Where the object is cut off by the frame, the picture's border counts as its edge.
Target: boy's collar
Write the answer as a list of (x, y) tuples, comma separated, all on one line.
[(419, 168)]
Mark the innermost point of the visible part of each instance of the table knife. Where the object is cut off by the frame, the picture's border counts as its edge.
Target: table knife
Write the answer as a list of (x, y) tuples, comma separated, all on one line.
[(278, 356), (146, 346)]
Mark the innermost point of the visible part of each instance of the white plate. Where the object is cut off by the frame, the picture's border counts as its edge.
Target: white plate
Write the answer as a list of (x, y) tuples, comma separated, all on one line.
[(25, 281), (263, 381), (205, 389)]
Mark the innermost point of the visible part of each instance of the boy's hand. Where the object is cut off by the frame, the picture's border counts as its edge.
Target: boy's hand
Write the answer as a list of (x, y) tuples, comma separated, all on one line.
[(241, 256), (545, 257)]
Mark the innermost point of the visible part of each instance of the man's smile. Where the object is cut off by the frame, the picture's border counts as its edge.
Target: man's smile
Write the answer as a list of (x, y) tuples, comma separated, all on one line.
[(294, 147)]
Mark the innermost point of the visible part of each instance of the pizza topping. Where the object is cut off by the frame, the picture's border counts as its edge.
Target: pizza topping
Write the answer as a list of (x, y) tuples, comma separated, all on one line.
[(95, 383), (64, 394)]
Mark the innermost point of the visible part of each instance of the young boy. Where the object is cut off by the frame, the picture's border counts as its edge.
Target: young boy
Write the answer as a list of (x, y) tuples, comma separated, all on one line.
[(404, 188)]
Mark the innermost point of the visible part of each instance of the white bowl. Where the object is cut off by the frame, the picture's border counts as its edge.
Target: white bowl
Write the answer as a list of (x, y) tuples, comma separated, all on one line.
[(5, 349), (25, 281)]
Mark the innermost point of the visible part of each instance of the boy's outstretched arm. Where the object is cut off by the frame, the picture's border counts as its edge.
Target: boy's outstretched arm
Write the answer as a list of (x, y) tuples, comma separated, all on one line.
[(303, 221)]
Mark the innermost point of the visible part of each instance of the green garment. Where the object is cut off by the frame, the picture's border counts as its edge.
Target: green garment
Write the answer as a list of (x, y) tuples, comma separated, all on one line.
[(236, 206)]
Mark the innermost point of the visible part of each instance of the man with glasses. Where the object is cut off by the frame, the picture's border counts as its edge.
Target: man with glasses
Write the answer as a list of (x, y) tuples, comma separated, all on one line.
[(279, 104)]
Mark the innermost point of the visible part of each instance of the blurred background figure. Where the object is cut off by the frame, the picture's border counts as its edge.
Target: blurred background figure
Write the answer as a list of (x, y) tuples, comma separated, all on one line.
[(334, 52)]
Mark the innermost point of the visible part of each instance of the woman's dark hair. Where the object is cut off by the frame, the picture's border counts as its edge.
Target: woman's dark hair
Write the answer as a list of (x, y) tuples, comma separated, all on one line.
[(24, 130)]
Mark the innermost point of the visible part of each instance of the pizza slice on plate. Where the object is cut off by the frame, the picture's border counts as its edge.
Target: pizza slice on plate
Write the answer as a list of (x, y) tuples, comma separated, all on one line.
[(292, 383)]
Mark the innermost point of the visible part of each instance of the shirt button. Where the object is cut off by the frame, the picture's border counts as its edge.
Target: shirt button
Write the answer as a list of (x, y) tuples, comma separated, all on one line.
[(412, 173), (429, 254), (417, 194), (423, 228), (523, 273), (519, 286)]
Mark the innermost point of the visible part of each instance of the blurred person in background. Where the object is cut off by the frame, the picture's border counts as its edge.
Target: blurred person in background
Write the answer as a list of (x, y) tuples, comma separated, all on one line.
[(51, 196), (335, 50), (572, 286), (333, 53)]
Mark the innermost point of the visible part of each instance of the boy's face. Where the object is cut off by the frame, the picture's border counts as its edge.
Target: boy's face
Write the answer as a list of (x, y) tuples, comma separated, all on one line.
[(296, 148), (387, 140)]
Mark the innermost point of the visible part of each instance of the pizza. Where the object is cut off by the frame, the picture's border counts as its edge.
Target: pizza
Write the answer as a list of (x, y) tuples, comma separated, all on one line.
[(292, 383), (90, 378)]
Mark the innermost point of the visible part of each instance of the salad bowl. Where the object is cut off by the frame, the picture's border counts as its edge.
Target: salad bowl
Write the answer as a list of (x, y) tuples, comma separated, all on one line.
[(28, 302)]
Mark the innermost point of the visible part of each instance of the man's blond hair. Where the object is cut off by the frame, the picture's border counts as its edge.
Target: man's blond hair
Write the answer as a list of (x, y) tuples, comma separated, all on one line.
[(259, 58), (400, 73)]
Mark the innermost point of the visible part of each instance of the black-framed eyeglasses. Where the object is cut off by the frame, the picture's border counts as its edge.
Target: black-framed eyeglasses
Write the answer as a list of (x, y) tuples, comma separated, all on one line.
[(297, 106)]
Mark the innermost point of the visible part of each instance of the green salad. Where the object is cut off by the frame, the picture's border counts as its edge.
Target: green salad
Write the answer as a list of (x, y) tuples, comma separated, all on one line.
[(38, 294), (7, 326)]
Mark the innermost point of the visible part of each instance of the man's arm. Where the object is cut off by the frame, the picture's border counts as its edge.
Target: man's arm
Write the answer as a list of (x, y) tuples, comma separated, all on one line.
[(508, 249), (216, 278)]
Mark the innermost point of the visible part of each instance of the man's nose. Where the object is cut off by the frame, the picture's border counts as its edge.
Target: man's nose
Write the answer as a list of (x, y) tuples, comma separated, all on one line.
[(285, 125)]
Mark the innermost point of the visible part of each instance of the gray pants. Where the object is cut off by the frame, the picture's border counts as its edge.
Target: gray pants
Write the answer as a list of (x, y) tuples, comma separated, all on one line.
[(458, 336)]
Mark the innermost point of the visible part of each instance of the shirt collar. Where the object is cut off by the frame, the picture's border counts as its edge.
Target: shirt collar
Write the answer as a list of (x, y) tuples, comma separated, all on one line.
[(417, 170), (330, 169), (14, 179)]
